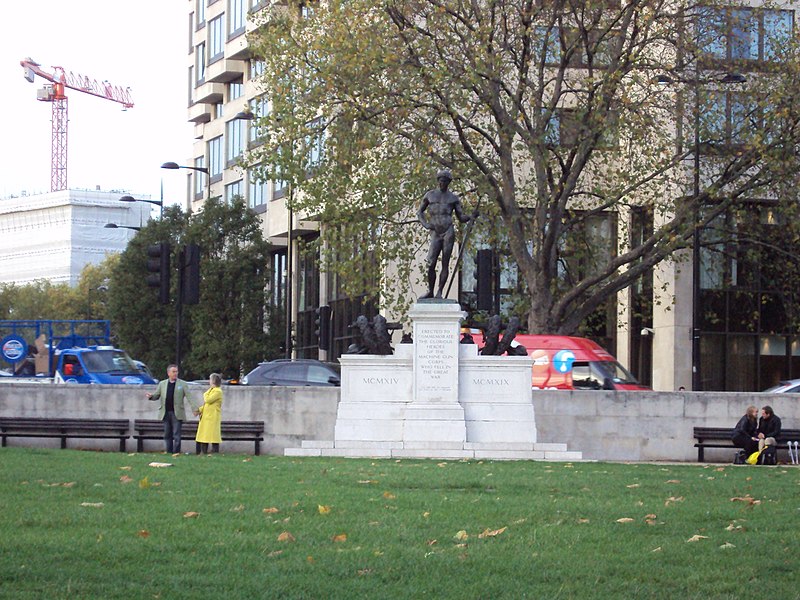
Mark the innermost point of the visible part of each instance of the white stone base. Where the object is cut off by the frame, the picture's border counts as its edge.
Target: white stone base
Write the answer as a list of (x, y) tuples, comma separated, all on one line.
[(437, 450)]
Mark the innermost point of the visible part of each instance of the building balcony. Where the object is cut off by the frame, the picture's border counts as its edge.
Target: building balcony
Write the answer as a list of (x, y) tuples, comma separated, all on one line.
[(225, 70), (200, 113), (209, 93)]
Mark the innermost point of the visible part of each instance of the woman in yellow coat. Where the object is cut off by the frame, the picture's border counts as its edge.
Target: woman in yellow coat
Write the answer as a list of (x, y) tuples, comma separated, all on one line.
[(209, 428)]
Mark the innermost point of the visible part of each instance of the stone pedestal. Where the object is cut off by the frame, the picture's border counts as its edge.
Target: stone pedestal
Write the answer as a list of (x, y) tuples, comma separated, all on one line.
[(435, 415)]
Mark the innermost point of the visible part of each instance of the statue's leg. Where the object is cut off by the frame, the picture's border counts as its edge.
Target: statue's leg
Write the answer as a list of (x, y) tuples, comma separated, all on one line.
[(433, 254), (447, 251)]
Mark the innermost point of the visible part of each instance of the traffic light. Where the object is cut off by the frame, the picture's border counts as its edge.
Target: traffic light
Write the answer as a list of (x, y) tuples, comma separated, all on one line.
[(484, 275), (158, 266), (191, 274), (322, 327)]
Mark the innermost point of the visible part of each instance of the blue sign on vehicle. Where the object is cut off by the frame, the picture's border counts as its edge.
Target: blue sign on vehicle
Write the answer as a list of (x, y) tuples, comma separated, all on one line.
[(562, 361), (14, 348)]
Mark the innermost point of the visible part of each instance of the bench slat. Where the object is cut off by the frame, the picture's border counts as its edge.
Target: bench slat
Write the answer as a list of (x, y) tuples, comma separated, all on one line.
[(233, 431), (64, 429), (706, 436)]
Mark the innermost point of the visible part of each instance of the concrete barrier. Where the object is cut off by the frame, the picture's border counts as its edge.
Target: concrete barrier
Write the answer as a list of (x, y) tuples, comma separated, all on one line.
[(603, 425)]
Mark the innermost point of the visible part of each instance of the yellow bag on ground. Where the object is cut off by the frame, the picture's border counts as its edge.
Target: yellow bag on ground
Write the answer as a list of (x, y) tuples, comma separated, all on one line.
[(753, 458)]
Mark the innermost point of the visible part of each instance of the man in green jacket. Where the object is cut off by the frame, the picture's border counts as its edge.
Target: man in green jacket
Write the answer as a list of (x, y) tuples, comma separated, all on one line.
[(172, 392)]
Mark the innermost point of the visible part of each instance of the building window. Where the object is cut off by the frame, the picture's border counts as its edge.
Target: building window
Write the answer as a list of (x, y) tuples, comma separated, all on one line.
[(232, 190), (315, 142), (238, 15), (235, 90), (216, 38), (200, 62), (199, 177), (744, 34), (259, 190), (260, 107), (201, 13), (215, 162), (257, 68), (727, 119), (234, 134)]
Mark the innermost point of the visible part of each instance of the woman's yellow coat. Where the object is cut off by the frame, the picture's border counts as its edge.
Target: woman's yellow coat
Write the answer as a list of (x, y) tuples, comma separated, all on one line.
[(208, 431)]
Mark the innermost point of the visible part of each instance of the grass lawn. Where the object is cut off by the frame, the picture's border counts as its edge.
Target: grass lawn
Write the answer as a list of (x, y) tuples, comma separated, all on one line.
[(106, 525)]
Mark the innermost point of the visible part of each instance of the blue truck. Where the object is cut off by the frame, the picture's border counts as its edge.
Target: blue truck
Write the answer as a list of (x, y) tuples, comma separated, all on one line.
[(74, 351)]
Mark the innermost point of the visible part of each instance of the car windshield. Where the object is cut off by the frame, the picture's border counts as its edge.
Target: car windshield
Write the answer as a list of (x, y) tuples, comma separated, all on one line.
[(109, 361), (615, 371)]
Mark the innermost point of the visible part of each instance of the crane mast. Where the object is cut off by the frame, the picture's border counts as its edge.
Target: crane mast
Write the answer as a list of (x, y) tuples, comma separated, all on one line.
[(55, 94)]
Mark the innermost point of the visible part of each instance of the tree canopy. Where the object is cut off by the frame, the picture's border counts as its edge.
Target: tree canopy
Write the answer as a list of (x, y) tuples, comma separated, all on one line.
[(549, 114), (225, 332)]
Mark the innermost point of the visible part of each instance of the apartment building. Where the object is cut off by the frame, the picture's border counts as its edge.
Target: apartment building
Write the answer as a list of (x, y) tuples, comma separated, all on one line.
[(700, 333)]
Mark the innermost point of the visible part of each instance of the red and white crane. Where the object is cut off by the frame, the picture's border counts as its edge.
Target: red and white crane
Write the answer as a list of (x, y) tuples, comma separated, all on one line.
[(55, 93)]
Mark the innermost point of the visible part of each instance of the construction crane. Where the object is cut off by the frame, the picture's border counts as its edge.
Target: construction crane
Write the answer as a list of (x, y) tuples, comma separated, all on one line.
[(55, 93)]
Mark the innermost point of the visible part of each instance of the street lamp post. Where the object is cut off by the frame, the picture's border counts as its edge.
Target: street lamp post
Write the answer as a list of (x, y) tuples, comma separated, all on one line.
[(173, 165), (159, 203), (115, 226)]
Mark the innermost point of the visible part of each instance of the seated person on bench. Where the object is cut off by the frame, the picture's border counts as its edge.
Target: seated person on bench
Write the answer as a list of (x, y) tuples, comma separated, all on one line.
[(745, 434), (769, 428)]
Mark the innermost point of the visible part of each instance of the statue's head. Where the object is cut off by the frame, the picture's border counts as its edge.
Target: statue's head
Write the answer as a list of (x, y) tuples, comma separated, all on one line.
[(444, 174)]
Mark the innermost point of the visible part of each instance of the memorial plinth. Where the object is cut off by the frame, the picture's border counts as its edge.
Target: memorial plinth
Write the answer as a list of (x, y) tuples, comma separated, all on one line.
[(436, 398)]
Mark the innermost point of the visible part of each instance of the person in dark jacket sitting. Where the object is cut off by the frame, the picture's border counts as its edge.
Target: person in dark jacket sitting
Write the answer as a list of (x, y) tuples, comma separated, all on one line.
[(769, 428), (745, 434)]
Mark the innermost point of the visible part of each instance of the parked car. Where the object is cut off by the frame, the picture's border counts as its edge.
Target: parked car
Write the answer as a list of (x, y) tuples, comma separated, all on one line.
[(791, 386), (299, 372)]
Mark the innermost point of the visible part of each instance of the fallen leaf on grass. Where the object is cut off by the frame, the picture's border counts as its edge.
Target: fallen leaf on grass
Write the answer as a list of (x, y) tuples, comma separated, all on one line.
[(125, 468), (697, 538), (269, 511), (367, 481), (191, 514), (727, 545), (672, 499), (494, 532), (323, 509), (286, 537), (274, 553), (247, 460), (432, 542), (461, 536), (125, 479), (625, 520), (748, 499), (363, 572), (673, 480), (389, 495), (583, 521), (633, 485), (718, 469), (733, 527), (93, 504), (143, 533), (159, 465), (310, 559), (144, 483), (68, 484), (342, 537), (239, 508), (656, 549), (650, 519)]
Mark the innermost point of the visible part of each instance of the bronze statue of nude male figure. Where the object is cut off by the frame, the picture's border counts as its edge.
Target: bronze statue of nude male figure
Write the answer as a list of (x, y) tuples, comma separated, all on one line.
[(440, 205)]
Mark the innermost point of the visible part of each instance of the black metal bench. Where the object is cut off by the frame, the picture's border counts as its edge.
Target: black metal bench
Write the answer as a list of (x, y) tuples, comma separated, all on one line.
[(232, 431), (64, 429), (720, 437)]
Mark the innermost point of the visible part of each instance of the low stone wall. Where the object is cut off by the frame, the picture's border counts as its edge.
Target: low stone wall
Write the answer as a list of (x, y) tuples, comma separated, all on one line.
[(603, 425)]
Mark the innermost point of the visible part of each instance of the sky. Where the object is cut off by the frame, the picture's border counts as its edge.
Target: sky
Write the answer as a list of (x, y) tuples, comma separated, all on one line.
[(142, 45)]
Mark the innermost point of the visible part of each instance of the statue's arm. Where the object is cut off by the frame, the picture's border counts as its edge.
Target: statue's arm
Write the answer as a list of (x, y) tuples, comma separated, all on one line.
[(421, 212), (459, 210)]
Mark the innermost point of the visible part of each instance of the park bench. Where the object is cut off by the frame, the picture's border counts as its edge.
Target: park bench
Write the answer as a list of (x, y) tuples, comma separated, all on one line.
[(232, 431), (720, 437), (64, 429)]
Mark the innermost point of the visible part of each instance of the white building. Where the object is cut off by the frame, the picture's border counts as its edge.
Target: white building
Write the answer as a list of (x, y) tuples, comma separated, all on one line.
[(53, 236)]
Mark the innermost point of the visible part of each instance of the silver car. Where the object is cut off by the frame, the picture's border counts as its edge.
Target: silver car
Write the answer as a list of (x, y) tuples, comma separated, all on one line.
[(791, 386)]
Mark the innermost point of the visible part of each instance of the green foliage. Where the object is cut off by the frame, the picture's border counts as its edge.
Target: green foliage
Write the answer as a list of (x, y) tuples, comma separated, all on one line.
[(46, 300), (106, 525), (546, 111), (224, 333)]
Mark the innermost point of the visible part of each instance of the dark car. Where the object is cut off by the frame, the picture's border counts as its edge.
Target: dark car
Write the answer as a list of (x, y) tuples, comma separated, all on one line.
[(299, 372)]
